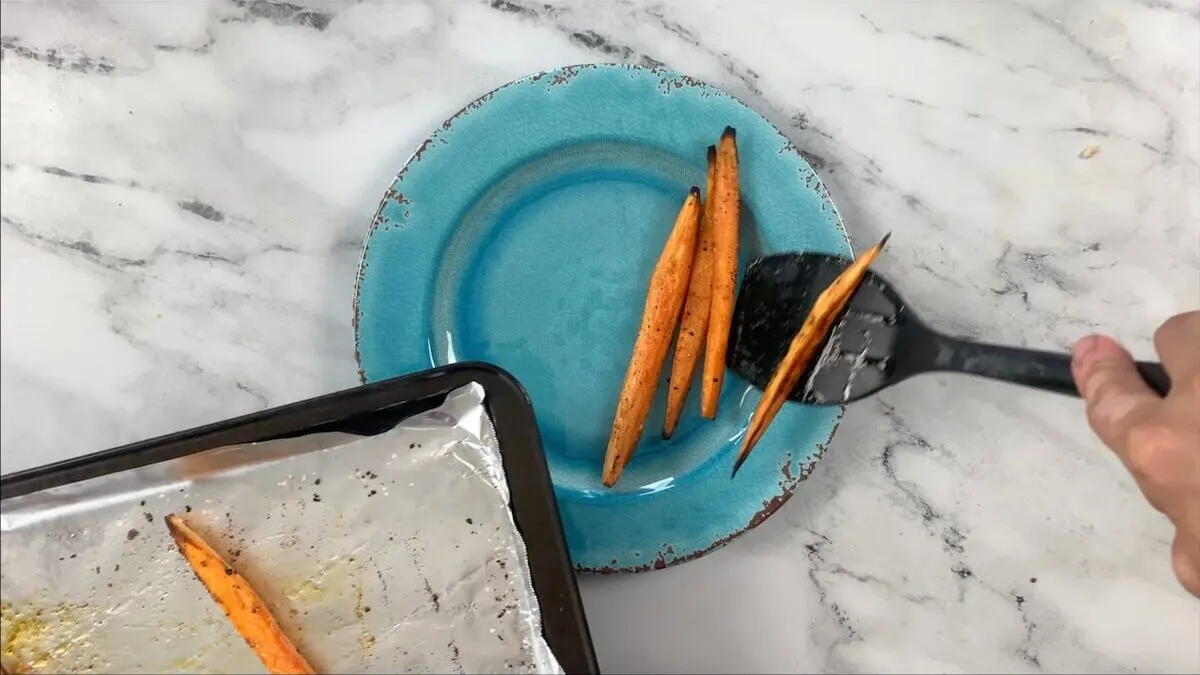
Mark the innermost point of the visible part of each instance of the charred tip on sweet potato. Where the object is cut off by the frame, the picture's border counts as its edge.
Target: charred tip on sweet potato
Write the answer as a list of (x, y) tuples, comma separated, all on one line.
[(695, 190), (712, 154), (730, 132)]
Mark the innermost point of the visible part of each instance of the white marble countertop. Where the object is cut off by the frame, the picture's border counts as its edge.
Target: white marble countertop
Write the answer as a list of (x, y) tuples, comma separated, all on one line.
[(186, 186)]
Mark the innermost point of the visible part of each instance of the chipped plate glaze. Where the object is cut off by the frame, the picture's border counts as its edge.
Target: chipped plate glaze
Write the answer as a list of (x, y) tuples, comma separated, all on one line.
[(523, 233)]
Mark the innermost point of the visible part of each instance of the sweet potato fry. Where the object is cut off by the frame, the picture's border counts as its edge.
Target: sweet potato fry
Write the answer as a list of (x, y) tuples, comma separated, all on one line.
[(664, 302), (826, 309), (245, 609), (725, 206), (693, 327)]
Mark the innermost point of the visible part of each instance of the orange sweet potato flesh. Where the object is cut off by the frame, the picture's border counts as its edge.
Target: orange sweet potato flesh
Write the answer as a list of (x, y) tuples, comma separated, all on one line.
[(803, 348), (245, 609), (725, 206), (693, 327), (660, 317)]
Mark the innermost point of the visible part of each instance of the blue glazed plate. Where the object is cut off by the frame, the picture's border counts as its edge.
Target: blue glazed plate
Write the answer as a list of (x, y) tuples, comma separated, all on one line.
[(523, 233)]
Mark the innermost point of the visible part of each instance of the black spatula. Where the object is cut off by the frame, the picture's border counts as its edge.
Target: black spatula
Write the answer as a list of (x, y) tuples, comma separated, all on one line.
[(877, 342)]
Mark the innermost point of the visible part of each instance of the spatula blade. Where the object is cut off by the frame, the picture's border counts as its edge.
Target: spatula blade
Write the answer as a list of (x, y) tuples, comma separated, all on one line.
[(776, 295)]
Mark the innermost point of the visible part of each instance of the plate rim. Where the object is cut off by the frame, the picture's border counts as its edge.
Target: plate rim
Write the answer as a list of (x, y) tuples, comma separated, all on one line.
[(789, 483)]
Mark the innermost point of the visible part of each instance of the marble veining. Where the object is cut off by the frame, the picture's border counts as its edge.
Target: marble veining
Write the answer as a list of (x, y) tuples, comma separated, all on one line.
[(185, 187)]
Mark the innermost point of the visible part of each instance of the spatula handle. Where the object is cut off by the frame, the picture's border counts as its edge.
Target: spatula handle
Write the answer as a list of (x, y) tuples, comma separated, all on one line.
[(1049, 371)]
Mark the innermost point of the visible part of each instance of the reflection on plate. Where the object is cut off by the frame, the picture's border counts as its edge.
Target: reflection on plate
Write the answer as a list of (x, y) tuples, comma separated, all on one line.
[(523, 233)]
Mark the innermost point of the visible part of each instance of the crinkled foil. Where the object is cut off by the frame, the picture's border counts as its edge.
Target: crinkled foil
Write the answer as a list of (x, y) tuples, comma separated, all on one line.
[(382, 554)]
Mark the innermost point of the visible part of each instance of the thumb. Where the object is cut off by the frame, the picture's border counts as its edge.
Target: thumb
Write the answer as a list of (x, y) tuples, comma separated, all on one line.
[(1115, 393)]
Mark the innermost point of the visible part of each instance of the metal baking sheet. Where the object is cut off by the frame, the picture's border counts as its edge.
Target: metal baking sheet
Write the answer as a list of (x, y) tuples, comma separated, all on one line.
[(393, 552)]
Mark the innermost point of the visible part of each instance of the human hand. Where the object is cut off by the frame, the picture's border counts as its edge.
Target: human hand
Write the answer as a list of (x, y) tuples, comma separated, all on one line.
[(1157, 438)]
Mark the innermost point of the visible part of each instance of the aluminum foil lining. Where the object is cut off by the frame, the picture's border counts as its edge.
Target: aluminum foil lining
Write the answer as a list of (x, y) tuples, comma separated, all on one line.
[(381, 554)]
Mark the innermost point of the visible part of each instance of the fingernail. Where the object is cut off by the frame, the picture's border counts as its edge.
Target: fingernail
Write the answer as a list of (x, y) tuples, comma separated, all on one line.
[(1088, 354), (1085, 349), (1089, 351)]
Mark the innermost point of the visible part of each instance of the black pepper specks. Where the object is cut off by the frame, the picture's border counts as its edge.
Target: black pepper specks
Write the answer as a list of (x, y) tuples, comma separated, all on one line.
[(131, 535), (316, 497)]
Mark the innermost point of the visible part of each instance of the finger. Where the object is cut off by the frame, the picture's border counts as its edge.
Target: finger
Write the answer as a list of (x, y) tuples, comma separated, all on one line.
[(1116, 395), (1185, 561), (1178, 344)]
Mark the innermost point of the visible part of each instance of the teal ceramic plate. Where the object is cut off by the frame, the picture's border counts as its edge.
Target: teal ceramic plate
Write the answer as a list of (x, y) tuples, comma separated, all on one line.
[(523, 233)]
